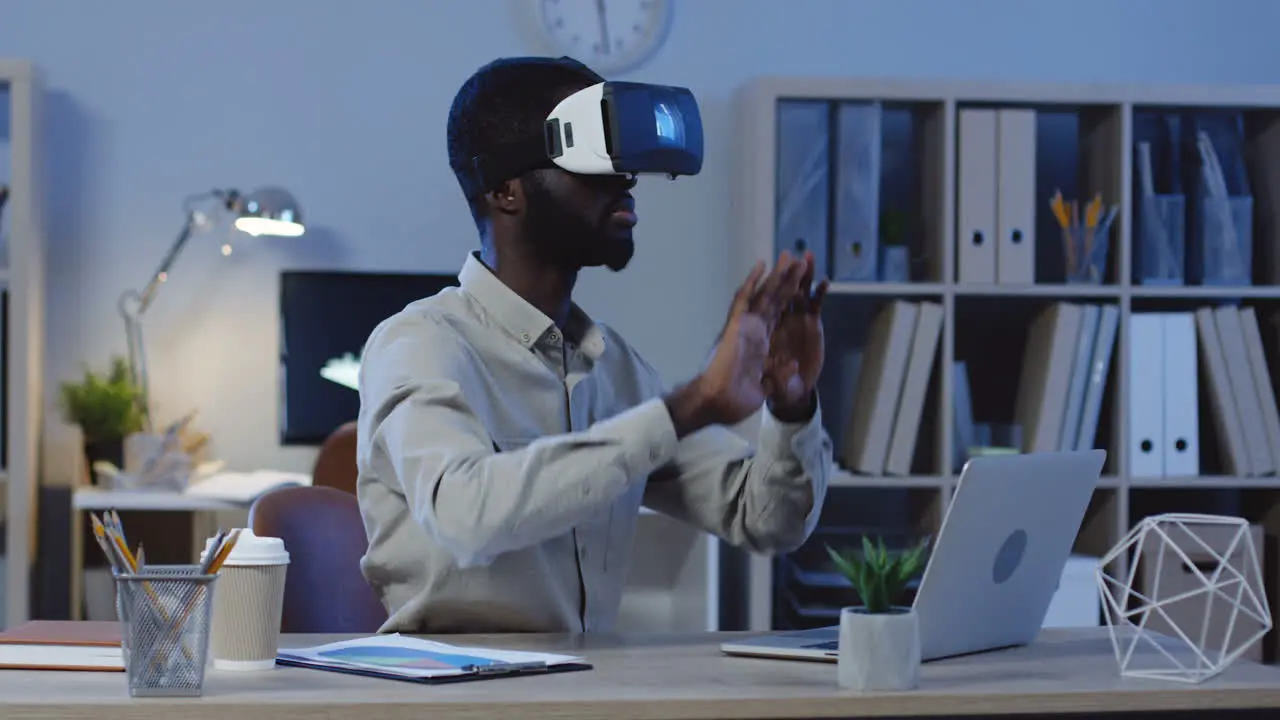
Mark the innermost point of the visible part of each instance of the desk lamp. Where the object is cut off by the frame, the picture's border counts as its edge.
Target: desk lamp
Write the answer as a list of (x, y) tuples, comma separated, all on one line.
[(266, 211)]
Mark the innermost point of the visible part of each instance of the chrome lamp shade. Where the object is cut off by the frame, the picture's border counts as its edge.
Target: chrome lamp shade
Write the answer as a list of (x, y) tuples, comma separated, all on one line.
[(268, 211)]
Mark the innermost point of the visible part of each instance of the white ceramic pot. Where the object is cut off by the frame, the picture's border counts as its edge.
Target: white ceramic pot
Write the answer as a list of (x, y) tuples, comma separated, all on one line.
[(879, 651)]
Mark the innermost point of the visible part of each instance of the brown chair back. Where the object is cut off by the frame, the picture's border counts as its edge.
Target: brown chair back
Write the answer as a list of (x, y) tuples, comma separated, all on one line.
[(324, 590), (336, 462)]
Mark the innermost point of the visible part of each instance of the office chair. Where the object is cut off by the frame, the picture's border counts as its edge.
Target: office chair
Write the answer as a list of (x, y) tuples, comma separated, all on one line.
[(336, 462), (324, 590)]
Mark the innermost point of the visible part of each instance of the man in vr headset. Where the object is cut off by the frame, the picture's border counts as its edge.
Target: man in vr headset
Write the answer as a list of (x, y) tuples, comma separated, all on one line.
[(507, 441)]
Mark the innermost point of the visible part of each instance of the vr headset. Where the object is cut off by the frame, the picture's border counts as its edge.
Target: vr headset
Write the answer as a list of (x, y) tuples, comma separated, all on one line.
[(610, 128)]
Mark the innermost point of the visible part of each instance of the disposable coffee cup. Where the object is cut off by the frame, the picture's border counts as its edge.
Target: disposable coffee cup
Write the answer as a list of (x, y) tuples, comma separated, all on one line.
[(247, 603)]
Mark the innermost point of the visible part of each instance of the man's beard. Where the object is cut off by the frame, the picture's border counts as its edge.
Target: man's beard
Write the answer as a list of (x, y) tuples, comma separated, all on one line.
[(567, 240)]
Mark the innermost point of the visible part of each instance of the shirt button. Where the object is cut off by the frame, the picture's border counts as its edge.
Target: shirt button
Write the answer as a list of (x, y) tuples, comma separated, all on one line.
[(554, 337), (524, 337)]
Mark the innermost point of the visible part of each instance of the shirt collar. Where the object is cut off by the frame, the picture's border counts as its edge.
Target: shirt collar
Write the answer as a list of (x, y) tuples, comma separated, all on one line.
[(520, 319)]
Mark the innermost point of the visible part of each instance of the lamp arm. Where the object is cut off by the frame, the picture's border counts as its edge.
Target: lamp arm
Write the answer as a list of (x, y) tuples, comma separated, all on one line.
[(194, 218), (137, 355), (133, 304), (161, 274)]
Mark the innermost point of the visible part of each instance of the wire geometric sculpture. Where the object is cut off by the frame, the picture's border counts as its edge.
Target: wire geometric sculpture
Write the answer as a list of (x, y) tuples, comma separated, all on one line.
[(1227, 579)]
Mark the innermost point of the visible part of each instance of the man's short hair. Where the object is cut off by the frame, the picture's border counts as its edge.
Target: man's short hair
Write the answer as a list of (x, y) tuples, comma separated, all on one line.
[(504, 101)]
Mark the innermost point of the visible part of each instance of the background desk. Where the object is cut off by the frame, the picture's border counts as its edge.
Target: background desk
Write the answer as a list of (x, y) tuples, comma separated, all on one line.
[(1068, 673), (201, 522), (97, 499)]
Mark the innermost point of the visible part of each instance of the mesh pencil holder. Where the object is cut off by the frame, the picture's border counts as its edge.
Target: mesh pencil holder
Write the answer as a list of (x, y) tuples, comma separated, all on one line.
[(165, 614)]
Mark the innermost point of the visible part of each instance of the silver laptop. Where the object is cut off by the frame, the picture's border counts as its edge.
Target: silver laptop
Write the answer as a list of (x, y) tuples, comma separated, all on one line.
[(995, 564)]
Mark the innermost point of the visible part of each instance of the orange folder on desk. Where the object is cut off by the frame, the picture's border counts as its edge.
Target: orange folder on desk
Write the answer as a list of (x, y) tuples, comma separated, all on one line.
[(62, 645)]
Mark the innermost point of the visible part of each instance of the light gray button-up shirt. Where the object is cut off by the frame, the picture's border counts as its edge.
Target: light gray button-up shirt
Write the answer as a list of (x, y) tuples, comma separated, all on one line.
[(502, 466)]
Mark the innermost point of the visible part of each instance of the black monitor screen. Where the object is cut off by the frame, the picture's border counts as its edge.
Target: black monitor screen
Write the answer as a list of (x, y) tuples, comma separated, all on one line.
[(325, 319)]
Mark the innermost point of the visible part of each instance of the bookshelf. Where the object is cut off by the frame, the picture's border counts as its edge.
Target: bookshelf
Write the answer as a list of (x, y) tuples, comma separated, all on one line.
[(22, 277), (919, 147)]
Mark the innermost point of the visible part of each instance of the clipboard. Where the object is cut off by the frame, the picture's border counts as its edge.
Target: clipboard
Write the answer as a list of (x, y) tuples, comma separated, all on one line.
[(419, 660), (471, 673)]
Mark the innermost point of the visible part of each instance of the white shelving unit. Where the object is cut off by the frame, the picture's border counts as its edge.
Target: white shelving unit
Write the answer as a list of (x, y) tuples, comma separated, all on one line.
[(1105, 140), (24, 279), (674, 582)]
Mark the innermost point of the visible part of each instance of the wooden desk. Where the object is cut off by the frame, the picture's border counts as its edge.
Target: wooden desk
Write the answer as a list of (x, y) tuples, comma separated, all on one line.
[(1069, 672)]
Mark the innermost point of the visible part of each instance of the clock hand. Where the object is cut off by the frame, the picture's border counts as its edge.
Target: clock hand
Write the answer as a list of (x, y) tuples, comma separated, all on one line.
[(604, 27)]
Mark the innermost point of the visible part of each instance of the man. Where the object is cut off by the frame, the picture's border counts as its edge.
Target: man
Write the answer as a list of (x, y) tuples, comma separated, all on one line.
[(507, 441)]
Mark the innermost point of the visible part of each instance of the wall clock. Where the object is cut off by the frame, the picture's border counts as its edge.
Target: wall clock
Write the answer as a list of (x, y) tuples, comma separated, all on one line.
[(610, 36)]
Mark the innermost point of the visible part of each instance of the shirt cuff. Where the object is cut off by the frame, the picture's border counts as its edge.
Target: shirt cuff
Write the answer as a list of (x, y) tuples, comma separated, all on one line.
[(647, 435), (805, 443), (803, 440)]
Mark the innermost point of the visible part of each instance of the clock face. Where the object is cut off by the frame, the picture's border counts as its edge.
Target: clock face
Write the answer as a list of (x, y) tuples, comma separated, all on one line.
[(610, 36)]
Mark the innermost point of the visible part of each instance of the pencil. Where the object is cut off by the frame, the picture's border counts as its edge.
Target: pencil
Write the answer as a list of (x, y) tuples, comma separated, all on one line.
[(210, 568), (110, 536), (100, 535), (1059, 210), (224, 551), (214, 547)]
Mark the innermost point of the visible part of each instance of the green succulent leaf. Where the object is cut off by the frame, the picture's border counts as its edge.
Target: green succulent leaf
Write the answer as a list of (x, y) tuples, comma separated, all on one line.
[(846, 565), (880, 576)]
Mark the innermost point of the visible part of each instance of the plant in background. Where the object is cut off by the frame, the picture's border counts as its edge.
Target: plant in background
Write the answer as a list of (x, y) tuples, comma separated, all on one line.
[(107, 407), (879, 576), (893, 227)]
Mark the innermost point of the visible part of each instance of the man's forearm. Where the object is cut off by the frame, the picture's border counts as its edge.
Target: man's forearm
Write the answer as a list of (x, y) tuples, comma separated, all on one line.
[(479, 504), (767, 500), (793, 443), (688, 405)]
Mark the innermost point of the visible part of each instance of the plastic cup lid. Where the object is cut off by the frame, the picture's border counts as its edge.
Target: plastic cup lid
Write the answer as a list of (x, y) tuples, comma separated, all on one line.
[(251, 549)]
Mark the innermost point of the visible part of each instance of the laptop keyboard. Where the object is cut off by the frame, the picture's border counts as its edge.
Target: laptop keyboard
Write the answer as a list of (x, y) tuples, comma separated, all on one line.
[(828, 645)]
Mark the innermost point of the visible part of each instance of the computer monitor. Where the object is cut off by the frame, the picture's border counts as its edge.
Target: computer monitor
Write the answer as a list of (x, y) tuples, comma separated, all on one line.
[(325, 320)]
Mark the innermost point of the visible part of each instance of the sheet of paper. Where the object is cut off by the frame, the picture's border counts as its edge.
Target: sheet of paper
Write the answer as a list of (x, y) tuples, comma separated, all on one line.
[(244, 487)]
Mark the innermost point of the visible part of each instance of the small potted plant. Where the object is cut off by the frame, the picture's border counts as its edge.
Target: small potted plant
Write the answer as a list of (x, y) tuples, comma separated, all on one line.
[(107, 408), (879, 647), (895, 257)]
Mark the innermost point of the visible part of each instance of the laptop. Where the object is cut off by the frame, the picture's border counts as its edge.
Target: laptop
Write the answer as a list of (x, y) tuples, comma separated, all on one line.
[(995, 565)]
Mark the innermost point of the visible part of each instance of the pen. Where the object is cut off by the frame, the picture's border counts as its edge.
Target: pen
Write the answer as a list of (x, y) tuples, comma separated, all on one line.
[(502, 668)]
